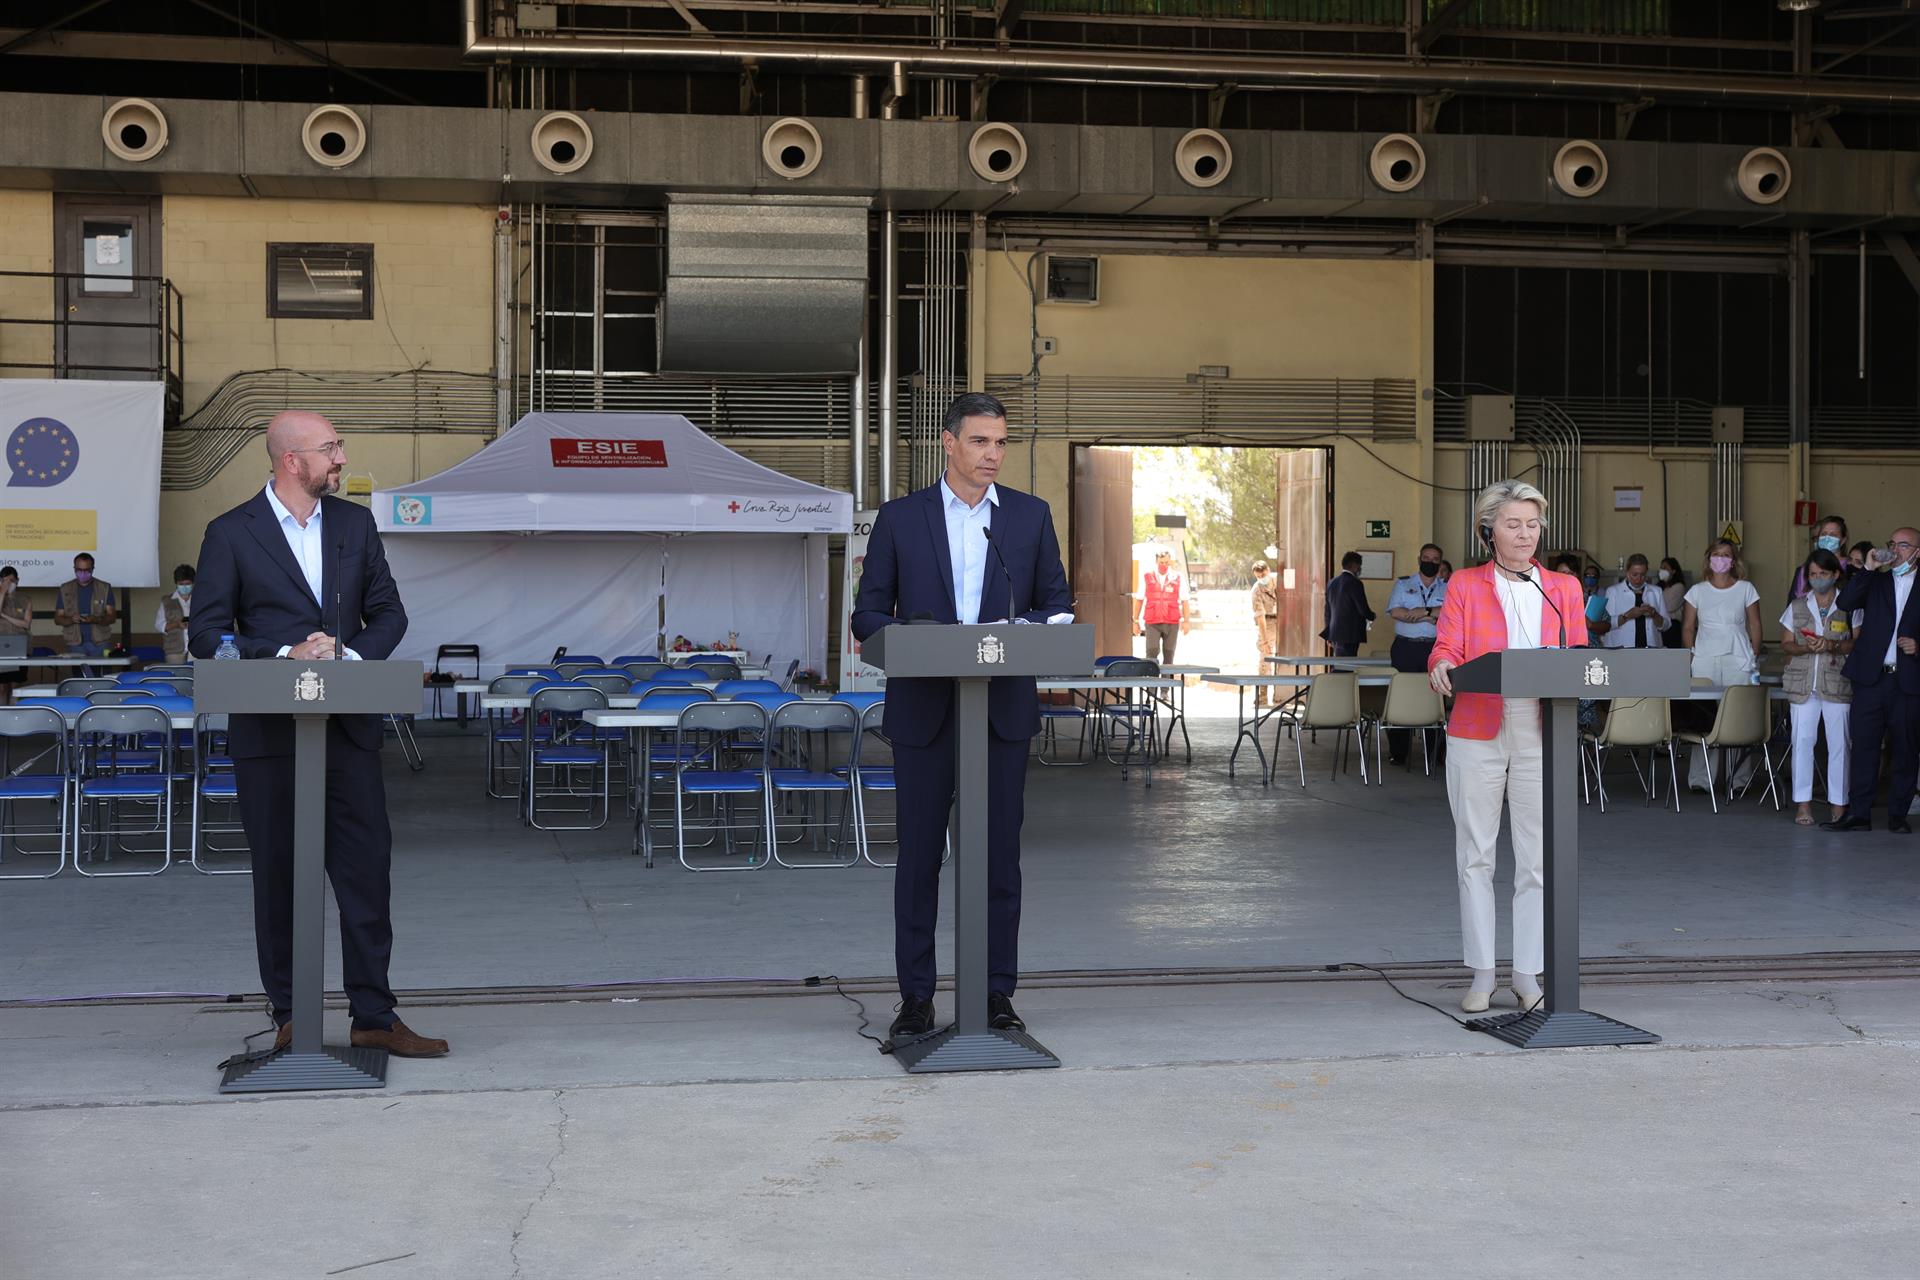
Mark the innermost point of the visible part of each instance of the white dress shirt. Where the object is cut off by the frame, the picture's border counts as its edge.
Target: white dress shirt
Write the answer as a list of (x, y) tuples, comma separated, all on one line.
[(1902, 590), (309, 547), (1621, 597), (967, 545)]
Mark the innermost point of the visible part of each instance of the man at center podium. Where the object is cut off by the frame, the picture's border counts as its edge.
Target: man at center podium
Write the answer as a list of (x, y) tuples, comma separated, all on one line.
[(964, 550)]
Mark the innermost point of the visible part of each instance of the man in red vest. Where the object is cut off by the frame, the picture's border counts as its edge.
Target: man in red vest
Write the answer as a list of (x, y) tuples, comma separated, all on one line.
[(1162, 603)]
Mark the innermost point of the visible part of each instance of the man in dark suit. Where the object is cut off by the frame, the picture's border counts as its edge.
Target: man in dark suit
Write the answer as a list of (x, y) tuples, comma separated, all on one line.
[(296, 573), (964, 550), (1348, 612), (1884, 668)]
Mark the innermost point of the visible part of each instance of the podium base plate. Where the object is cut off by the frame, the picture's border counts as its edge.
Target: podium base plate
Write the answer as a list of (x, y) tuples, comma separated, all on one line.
[(1561, 1029), (948, 1050), (331, 1068)]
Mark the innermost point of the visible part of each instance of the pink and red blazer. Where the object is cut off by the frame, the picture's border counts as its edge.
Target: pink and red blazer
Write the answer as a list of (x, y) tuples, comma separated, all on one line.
[(1472, 623)]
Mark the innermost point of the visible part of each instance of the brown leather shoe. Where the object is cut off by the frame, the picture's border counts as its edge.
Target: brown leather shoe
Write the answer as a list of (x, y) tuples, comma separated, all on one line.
[(283, 1038), (400, 1040)]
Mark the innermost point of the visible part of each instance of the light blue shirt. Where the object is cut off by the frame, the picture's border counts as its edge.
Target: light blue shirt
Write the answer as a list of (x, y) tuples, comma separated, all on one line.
[(967, 545), (1415, 592), (309, 547)]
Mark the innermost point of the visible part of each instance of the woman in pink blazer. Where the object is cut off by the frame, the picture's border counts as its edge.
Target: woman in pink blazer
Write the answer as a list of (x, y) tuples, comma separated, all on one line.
[(1494, 748)]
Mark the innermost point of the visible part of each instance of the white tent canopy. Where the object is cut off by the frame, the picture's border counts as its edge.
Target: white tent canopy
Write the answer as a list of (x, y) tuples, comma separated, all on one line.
[(575, 528)]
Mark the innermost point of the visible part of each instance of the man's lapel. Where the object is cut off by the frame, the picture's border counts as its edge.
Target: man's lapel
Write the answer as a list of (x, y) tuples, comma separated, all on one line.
[(943, 552), (266, 531)]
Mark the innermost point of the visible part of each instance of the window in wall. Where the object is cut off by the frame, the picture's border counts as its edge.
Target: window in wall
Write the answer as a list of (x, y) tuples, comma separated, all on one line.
[(107, 255), (320, 281)]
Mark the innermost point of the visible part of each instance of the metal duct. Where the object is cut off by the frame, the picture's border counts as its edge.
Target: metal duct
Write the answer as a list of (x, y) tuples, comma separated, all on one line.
[(1555, 439), (1487, 461), (1365, 75), (940, 319), (764, 284)]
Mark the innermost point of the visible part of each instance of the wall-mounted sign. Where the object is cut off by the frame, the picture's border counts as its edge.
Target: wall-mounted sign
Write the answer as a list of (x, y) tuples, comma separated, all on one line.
[(1627, 497), (1379, 528)]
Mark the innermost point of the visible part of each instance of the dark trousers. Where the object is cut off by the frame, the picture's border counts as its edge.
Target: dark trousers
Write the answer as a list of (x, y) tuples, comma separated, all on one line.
[(924, 776), (1882, 712), (359, 858), (1345, 648), (1407, 655)]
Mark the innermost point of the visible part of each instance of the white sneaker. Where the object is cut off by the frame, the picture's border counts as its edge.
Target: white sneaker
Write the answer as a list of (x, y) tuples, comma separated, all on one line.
[(1475, 1002)]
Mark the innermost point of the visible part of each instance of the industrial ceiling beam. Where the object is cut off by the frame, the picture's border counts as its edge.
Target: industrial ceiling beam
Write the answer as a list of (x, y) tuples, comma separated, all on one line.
[(22, 39), (148, 46), (312, 55), (1437, 25)]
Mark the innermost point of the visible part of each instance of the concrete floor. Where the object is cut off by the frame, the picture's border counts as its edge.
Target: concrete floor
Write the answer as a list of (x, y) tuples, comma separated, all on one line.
[(1198, 871), (1281, 1127)]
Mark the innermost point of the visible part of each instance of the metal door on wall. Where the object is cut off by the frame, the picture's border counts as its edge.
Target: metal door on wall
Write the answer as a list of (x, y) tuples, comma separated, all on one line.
[(106, 288), (1102, 505), (1303, 532)]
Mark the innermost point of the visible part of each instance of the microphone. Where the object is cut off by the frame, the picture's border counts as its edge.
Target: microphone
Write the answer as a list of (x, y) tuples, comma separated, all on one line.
[(339, 562), (994, 549), (1527, 575)]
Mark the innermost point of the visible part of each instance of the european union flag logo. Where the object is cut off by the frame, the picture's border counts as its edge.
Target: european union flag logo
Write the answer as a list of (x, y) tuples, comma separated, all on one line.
[(41, 452)]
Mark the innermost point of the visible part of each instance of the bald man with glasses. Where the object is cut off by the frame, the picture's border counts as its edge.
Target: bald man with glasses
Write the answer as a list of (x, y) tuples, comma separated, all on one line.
[(1884, 669), (297, 573)]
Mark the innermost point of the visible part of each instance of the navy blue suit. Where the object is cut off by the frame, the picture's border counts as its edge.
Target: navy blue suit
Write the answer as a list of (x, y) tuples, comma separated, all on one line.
[(1348, 614), (908, 572), (1886, 704), (249, 585)]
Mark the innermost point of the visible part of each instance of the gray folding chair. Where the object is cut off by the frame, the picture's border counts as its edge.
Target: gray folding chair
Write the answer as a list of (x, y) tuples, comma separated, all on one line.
[(44, 778), (214, 787), (507, 738), (800, 779), (708, 768), (81, 686), (113, 782), (564, 757)]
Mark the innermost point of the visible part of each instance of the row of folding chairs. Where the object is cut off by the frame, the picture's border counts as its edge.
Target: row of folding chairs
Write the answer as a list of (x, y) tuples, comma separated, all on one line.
[(1742, 723), (107, 781)]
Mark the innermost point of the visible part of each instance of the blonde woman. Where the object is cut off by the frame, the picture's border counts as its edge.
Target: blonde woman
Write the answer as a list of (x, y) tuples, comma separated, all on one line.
[(1494, 747)]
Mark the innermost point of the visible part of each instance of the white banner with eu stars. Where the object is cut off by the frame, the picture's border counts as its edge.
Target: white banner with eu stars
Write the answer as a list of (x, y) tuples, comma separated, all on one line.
[(82, 474)]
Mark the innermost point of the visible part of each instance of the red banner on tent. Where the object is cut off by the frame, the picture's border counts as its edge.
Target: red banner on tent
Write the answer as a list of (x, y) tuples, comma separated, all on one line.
[(608, 453)]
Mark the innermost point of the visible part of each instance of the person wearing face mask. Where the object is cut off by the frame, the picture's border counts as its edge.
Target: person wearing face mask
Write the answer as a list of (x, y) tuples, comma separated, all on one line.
[(1636, 610), (170, 620), (1414, 605), (1673, 594), (1817, 635), (84, 610), (16, 619), (1495, 753), (1829, 535), (1722, 628), (1857, 557), (1885, 672)]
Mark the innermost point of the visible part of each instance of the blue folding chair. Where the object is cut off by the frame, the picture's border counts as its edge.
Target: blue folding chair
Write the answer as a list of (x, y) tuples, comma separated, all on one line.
[(802, 777), (568, 751), (734, 688), (44, 778), (110, 783), (214, 785), (507, 735), (706, 772)]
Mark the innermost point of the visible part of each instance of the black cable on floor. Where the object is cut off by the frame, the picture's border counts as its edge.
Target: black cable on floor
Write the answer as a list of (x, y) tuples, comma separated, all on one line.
[(859, 1007), (1382, 975), (245, 1057)]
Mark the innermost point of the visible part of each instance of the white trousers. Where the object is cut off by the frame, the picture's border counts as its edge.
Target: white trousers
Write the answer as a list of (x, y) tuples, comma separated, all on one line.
[(1807, 717), (1480, 776)]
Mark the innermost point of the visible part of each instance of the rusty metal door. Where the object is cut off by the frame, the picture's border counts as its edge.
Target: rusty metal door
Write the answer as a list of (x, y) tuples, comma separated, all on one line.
[(1303, 514), (1102, 568)]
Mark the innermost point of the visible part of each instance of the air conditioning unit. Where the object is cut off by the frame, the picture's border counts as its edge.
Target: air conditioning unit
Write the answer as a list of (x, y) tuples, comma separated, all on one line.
[(1071, 279)]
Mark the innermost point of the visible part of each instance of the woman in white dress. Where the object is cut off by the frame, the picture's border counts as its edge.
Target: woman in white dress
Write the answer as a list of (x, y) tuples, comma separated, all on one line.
[(1722, 627), (1817, 635)]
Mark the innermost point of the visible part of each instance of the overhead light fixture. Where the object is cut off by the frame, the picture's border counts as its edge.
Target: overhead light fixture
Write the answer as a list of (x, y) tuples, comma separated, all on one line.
[(1797, 6)]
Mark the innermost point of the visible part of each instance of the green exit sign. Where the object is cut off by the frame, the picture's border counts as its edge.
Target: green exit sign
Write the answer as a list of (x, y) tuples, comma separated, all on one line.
[(1379, 528)]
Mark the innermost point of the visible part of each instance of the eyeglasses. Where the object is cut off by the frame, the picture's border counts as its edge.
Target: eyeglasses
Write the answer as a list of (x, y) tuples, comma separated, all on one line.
[(1902, 545), (332, 448)]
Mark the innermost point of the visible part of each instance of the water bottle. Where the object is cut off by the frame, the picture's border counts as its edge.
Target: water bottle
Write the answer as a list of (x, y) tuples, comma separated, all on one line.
[(227, 649)]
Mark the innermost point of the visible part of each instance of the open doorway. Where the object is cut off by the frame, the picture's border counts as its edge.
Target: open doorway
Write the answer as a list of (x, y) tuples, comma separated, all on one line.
[(1215, 510)]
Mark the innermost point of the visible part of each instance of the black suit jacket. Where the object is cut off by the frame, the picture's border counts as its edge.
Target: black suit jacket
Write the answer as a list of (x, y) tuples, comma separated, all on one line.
[(249, 585), (1348, 612), (909, 570), (1874, 593)]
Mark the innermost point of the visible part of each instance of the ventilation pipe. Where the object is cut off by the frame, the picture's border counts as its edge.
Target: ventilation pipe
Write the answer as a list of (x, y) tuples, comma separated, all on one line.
[(889, 349), (562, 142), (1203, 158), (1763, 175), (1397, 163), (997, 152), (334, 136), (134, 129), (857, 421), (1580, 168), (791, 147)]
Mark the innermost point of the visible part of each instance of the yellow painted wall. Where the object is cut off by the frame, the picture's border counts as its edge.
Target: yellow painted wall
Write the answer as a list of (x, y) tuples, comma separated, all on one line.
[(26, 244), (1165, 316)]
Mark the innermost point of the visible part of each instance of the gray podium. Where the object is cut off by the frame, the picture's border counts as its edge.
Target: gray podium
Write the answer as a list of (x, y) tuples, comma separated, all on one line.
[(970, 657), (310, 692), (1560, 678)]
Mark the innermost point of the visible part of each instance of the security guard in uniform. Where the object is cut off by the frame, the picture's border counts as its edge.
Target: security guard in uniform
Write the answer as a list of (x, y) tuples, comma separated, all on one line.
[(1266, 624), (1414, 605)]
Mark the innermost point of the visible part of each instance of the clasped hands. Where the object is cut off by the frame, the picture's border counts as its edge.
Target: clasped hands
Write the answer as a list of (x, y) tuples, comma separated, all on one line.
[(318, 647)]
